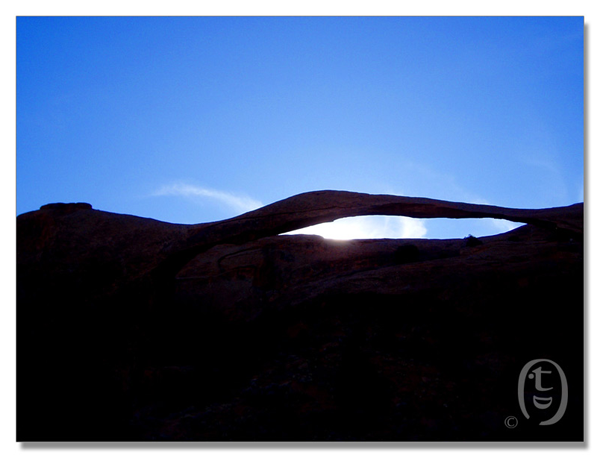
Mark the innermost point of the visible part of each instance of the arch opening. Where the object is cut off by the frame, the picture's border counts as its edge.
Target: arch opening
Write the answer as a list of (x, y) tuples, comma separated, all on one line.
[(396, 227)]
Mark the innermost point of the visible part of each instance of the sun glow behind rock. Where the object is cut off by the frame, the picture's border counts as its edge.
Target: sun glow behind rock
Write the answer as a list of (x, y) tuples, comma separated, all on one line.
[(368, 227)]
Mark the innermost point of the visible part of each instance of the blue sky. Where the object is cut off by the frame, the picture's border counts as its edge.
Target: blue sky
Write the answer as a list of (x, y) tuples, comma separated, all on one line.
[(198, 119)]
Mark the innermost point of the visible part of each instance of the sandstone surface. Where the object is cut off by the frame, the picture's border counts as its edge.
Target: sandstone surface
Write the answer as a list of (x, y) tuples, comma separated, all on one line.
[(130, 328)]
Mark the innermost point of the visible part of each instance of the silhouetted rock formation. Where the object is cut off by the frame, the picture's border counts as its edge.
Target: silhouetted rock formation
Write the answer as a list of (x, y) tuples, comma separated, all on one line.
[(136, 329)]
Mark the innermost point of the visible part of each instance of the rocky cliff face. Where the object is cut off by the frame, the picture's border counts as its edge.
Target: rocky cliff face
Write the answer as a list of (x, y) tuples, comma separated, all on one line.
[(134, 329)]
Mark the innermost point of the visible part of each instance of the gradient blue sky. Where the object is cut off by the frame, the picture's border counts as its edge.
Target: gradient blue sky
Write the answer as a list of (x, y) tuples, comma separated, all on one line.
[(198, 119)]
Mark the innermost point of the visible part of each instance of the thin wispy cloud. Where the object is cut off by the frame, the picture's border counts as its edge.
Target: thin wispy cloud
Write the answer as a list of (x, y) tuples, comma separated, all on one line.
[(236, 202), (363, 227)]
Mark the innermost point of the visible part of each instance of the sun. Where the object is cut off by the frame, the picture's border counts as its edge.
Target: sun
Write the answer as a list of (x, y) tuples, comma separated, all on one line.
[(342, 229), (367, 227)]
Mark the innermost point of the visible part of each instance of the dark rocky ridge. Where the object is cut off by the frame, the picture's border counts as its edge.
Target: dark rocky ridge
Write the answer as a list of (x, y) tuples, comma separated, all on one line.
[(134, 329)]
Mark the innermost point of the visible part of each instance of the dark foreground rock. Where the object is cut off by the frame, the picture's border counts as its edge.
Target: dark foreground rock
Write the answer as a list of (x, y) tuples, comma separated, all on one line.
[(135, 329)]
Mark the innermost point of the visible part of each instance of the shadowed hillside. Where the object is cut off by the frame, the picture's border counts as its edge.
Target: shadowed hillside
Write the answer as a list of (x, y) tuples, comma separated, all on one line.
[(134, 329)]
